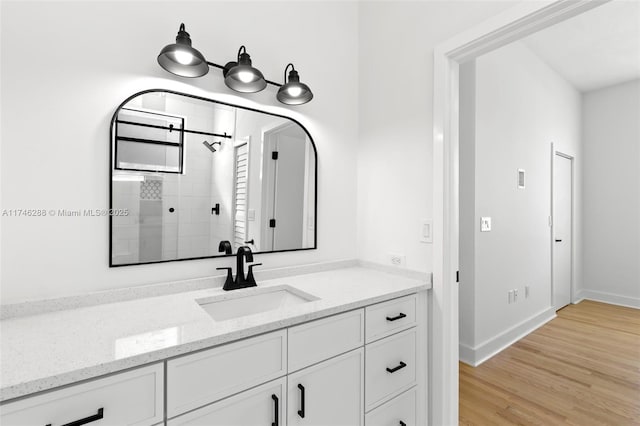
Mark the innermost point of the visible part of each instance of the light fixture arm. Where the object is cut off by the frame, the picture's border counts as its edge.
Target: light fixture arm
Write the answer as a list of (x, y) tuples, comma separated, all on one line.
[(241, 51), (285, 71)]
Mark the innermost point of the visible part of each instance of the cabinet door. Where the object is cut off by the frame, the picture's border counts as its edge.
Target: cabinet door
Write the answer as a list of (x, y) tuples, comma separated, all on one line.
[(260, 406), (328, 393)]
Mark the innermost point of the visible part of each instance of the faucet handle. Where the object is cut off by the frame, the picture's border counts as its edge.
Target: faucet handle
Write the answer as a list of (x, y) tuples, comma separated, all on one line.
[(228, 283), (250, 277)]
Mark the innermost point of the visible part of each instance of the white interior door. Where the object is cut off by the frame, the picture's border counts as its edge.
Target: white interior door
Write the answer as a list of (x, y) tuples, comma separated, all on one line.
[(562, 230)]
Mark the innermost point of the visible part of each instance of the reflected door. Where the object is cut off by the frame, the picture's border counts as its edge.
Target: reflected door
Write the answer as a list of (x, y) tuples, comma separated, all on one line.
[(285, 188)]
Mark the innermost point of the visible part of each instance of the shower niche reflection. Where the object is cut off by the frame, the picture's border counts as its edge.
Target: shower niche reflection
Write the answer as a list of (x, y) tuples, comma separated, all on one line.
[(189, 172)]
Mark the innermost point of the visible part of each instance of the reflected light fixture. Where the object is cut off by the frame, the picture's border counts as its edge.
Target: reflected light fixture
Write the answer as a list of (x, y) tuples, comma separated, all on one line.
[(292, 92), (241, 76), (183, 60)]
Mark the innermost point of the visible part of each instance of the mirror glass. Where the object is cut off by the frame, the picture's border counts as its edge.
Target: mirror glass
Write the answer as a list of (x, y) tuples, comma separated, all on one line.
[(188, 173)]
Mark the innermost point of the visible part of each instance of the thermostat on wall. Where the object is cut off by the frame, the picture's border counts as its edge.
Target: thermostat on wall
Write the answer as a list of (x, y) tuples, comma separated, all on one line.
[(520, 178)]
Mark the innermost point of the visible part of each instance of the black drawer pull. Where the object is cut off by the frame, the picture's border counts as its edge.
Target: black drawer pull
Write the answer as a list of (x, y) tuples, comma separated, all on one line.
[(400, 316), (301, 410), (402, 423), (399, 367), (558, 241), (275, 410), (86, 420)]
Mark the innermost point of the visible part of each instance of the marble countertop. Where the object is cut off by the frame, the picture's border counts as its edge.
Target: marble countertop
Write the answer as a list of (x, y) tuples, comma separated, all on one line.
[(41, 352)]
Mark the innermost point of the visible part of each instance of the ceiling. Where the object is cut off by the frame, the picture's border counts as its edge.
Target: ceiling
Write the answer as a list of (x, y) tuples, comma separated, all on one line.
[(596, 49)]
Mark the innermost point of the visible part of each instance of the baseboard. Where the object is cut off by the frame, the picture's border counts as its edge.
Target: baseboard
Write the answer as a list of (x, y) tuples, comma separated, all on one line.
[(466, 354), (611, 298), (484, 351)]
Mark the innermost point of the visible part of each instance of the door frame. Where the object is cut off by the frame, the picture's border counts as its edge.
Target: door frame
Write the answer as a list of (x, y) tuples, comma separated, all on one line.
[(571, 158), (513, 24)]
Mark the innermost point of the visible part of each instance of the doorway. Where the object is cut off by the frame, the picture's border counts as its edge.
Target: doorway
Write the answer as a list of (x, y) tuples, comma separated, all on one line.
[(562, 245), (514, 24)]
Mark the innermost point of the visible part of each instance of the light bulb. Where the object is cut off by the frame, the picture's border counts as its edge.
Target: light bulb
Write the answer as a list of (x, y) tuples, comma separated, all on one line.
[(245, 76), (184, 58), (294, 91)]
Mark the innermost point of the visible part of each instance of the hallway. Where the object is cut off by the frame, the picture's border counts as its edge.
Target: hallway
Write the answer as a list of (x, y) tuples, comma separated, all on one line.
[(581, 368)]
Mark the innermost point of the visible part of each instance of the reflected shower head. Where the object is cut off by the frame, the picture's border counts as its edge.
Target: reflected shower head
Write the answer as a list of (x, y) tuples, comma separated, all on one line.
[(210, 146)]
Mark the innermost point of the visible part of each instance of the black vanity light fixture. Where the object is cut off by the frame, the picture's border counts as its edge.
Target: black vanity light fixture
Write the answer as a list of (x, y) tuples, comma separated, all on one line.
[(183, 60), (293, 92), (241, 76)]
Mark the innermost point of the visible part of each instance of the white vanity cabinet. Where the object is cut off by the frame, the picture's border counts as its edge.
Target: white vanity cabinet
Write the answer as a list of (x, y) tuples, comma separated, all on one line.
[(328, 393), (393, 363), (204, 377), (326, 371), (363, 367), (131, 398), (263, 405)]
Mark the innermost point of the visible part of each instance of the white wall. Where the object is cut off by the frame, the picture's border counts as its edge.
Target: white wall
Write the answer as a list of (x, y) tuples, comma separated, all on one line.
[(395, 155), (611, 201), (521, 107), (66, 66)]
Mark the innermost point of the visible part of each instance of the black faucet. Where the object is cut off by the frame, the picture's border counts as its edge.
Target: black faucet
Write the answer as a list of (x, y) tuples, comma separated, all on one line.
[(240, 281)]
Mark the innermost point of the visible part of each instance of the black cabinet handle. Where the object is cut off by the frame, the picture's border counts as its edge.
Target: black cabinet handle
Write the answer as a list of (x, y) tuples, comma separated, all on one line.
[(275, 410), (402, 423), (301, 410), (558, 241), (399, 367), (251, 241), (171, 210), (399, 316), (86, 420)]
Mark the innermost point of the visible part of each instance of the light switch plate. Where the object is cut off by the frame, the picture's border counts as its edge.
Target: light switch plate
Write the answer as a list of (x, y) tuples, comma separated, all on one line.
[(426, 231), (485, 224)]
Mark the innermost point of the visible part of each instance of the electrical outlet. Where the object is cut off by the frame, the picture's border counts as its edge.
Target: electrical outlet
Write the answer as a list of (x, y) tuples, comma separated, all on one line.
[(397, 259), (526, 291), (515, 295)]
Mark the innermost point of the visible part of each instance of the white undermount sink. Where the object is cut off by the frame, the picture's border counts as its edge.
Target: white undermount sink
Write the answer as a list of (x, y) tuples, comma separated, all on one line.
[(253, 301)]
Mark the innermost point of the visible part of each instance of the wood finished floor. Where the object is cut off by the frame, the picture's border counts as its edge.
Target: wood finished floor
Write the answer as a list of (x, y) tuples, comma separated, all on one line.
[(582, 368)]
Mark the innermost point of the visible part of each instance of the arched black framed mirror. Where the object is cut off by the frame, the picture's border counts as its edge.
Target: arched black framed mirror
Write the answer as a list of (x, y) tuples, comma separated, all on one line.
[(187, 172)]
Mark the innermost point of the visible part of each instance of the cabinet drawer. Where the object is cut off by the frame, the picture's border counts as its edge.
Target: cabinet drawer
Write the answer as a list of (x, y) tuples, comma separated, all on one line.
[(400, 409), (205, 377), (390, 317), (319, 340), (131, 398), (263, 405), (390, 367)]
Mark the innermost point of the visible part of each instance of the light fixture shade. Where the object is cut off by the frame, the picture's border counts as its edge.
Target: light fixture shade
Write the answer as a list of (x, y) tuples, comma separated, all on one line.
[(293, 92), (182, 59), (242, 77)]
